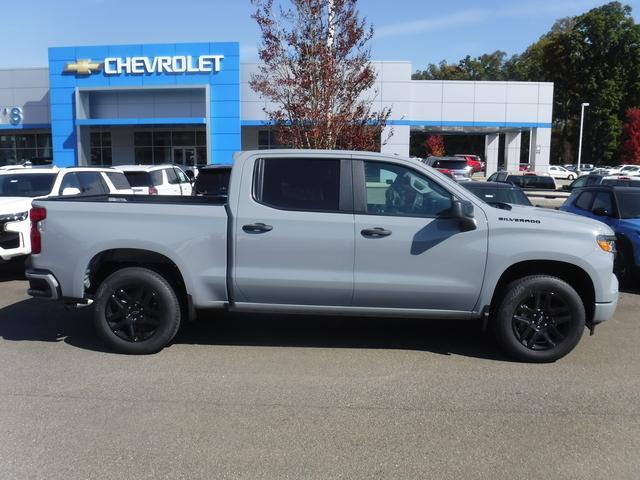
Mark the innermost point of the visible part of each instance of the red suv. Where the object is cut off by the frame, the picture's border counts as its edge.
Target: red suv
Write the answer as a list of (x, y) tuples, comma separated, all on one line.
[(473, 161)]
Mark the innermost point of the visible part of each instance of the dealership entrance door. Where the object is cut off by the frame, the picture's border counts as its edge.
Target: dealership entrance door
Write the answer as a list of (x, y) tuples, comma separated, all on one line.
[(186, 156)]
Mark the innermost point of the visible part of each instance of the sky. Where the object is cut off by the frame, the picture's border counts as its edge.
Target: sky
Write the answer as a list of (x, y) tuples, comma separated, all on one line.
[(420, 31)]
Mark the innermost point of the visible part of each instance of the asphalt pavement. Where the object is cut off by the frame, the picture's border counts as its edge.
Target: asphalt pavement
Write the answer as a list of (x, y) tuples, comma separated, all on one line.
[(263, 397)]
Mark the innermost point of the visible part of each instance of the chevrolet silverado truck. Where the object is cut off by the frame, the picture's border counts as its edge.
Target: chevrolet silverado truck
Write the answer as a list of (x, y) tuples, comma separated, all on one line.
[(326, 232)]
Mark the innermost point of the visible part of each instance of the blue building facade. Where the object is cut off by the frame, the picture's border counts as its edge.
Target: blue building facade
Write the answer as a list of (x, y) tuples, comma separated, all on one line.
[(101, 87)]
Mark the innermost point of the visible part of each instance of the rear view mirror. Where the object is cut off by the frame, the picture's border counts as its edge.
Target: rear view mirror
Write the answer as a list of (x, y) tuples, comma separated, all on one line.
[(70, 191), (463, 211)]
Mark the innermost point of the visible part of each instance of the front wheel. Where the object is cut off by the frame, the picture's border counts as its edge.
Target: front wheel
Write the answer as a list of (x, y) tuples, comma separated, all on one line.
[(540, 319), (136, 311), (570, 177)]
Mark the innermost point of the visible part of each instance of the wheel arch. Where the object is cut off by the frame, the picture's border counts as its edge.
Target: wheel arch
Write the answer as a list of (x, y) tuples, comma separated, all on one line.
[(575, 276), (109, 261)]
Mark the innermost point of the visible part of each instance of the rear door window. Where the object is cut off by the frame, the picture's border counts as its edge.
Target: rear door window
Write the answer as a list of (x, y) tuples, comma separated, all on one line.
[(91, 183), (138, 179), (604, 201), (172, 177), (298, 183)]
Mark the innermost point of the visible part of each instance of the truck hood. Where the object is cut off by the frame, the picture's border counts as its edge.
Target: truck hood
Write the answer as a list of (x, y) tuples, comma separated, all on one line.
[(14, 204), (549, 216)]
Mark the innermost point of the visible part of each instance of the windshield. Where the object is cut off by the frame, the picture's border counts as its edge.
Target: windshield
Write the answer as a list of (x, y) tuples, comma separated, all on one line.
[(138, 179), (450, 164), (26, 184), (213, 182), (629, 204)]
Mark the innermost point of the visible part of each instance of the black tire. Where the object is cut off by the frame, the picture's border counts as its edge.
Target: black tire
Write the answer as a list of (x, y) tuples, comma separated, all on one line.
[(570, 177), (136, 311), (540, 319)]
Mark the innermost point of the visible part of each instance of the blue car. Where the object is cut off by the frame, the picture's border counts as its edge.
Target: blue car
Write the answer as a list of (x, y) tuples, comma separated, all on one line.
[(618, 207)]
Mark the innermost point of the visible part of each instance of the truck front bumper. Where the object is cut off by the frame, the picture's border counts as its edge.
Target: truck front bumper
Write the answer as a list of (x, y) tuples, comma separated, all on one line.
[(42, 284), (603, 311)]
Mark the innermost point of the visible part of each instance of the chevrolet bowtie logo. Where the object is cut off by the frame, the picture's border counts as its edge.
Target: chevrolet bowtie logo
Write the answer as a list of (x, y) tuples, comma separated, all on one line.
[(83, 67)]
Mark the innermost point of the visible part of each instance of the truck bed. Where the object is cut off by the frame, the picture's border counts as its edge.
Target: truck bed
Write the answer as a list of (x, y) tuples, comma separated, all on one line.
[(191, 232)]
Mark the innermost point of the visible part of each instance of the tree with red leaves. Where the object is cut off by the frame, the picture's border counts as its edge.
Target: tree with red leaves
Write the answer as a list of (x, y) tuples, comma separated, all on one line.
[(434, 145), (631, 132), (316, 70)]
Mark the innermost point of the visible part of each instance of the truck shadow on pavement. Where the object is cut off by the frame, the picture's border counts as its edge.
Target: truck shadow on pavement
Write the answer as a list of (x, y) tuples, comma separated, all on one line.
[(41, 321)]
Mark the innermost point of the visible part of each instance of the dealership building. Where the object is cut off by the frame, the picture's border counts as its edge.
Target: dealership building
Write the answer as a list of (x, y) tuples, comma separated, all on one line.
[(191, 103)]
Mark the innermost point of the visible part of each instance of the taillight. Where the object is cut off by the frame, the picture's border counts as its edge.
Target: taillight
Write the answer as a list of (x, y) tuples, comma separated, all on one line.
[(153, 191), (37, 214)]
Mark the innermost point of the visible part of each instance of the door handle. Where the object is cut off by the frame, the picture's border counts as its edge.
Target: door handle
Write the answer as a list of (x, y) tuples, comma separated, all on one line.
[(257, 228), (376, 232)]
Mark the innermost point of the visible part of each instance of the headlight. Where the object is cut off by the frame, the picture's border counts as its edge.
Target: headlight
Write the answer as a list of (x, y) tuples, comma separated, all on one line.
[(607, 243), (14, 217)]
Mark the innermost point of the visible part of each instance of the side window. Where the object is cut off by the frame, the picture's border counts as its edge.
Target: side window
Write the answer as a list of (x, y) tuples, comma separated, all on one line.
[(70, 180), (156, 178), (603, 200), (493, 177), (119, 180), (182, 178), (172, 178), (91, 183), (399, 191), (591, 180), (298, 183), (584, 201)]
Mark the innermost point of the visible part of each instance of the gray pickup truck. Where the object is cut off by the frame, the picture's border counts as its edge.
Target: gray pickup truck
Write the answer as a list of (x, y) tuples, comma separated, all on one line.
[(326, 232)]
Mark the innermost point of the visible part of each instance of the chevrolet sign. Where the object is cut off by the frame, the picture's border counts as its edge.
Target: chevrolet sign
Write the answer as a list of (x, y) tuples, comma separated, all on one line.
[(142, 65)]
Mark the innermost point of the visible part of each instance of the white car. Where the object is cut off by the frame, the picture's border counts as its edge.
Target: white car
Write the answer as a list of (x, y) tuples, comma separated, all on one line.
[(157, 179), (629, 171), (19, 186), (556, 171)]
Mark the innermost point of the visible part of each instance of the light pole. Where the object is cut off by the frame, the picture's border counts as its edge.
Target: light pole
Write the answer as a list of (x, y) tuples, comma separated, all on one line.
[(580, 141)]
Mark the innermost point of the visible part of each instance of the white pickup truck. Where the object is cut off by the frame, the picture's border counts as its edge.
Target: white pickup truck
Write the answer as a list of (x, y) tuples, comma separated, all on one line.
[(326, 232)]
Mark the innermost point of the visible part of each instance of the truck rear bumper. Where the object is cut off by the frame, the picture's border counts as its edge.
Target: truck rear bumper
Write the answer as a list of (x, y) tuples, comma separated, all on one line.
[(43, 284)]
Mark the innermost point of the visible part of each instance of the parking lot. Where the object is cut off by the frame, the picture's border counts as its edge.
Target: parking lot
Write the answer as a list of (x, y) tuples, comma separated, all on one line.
[(277, 397)]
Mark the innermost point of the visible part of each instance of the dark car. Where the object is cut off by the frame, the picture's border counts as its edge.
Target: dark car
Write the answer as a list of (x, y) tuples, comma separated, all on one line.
[(497, 194), (618, 207), (213, 181), (526, 182), (599, 179)]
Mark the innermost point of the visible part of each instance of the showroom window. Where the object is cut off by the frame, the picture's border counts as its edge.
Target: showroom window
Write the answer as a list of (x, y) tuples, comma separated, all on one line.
[(17, 148), (182, 147), (101, 148), (268, 139)]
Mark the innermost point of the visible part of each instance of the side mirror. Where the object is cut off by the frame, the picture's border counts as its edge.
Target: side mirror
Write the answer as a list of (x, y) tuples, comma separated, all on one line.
[(71, 191), (463, 211), (601, 212)]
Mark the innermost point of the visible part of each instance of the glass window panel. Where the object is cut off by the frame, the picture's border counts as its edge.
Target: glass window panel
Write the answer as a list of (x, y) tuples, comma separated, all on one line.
[(161, 155), (201, 156), (7, 156), (96, 156), (106, 139), (44, 140), (201, 137), (142, 139), (400, 191), (95, 139), (263, 138), (106, 156), (144, 155), (162, 139), (7, 141), (25, 154), (186, 139), (25, 141), (301, 184)]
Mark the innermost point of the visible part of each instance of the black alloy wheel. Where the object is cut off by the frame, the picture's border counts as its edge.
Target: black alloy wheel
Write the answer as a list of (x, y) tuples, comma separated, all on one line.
[(133, 312), (542, 320), (136, 311)]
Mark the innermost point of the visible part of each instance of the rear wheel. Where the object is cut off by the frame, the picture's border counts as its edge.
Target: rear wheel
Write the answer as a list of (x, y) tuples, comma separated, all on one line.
[(540, 319), (136, 311), (570, 177)]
